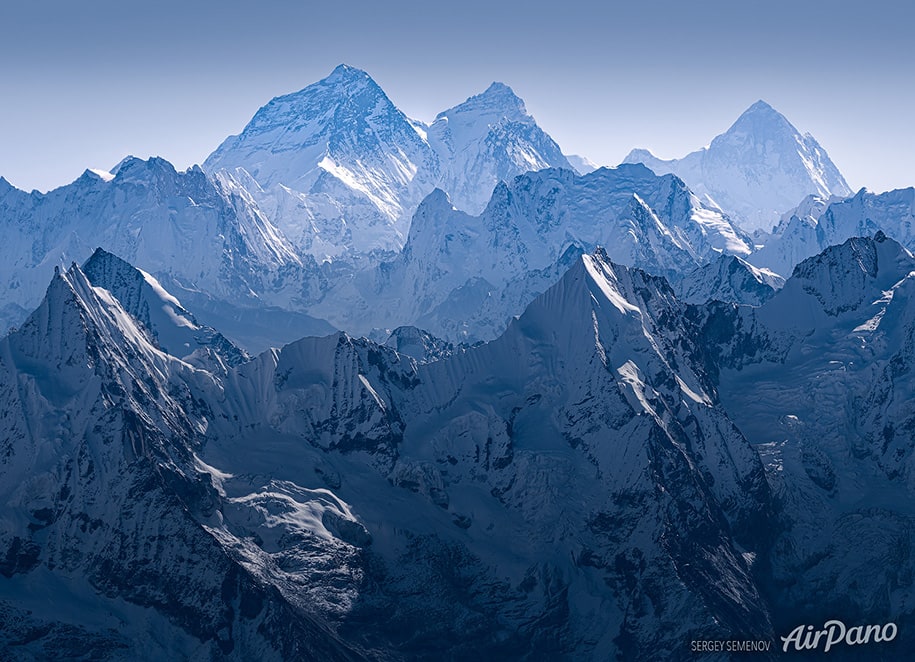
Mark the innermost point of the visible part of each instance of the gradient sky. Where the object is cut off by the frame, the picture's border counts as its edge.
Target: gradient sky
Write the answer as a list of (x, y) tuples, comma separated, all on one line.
[(86, 83)]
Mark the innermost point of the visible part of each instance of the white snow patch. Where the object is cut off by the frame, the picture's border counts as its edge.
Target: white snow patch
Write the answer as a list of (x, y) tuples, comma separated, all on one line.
[(701, 399), (104, 175), (218, 477), (159, 290), (176, 319), (632, 376), (374, 394), (612, 295)]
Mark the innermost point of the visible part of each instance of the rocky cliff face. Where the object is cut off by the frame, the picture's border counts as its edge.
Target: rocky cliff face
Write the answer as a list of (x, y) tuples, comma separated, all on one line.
[(819, 380), (106, 547), (573, 487)]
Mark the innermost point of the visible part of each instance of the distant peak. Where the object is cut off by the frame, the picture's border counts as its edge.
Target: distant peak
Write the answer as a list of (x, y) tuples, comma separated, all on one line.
[(98, 173), (497, 99), (496, 88), (345, 72), (759, 117), (127, 162), (130, 164), (760, 107), (339, 83), (638, 154), (503, 95), (437, 199), (637, 170)]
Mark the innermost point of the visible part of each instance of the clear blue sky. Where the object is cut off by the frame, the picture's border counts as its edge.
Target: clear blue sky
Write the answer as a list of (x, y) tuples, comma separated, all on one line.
[(85, 83)]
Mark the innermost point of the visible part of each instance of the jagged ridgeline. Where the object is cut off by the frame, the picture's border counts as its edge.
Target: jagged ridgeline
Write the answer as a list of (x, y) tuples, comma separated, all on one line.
[(327, 498), (363, 387)]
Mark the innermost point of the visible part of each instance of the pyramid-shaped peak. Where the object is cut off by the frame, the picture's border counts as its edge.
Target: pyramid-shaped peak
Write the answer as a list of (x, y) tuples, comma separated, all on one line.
[(436, 199), (342, 83), (101, 254), (497, 88), (498, 99), (103, 261), (761, 118), (344, 73), (760, 107)]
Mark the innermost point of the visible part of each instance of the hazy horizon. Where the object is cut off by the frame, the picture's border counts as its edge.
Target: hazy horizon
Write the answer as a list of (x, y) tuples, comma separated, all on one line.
[(104, 81)]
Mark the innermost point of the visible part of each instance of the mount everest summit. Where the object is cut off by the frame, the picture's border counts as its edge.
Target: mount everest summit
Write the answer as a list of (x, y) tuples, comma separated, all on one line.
[(592, 417)]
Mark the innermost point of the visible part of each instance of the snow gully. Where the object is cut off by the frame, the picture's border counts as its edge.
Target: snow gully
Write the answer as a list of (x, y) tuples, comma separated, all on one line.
[(804, 637)]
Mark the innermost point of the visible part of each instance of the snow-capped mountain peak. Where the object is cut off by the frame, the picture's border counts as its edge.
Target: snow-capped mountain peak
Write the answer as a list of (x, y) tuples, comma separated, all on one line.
[(293, 133), (346, 74), (170, 326), (487, 139), (759, 168), (498, 102), (134, 167), (181, 225), (581, 164), (340, 169), (839, 280), (731, 279), (760, 118), (336, 164), (818, 223)]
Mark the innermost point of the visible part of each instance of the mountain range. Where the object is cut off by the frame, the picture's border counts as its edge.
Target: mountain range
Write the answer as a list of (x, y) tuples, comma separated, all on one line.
[(366, 388), (336, 499), (818, 223), (383, 476), (267, 272), (463, 277), (338, 168)]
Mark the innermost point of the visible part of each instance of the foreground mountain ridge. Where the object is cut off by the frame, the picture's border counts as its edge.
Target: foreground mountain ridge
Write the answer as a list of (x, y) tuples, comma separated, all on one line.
[(147, 438), (394, 489)]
